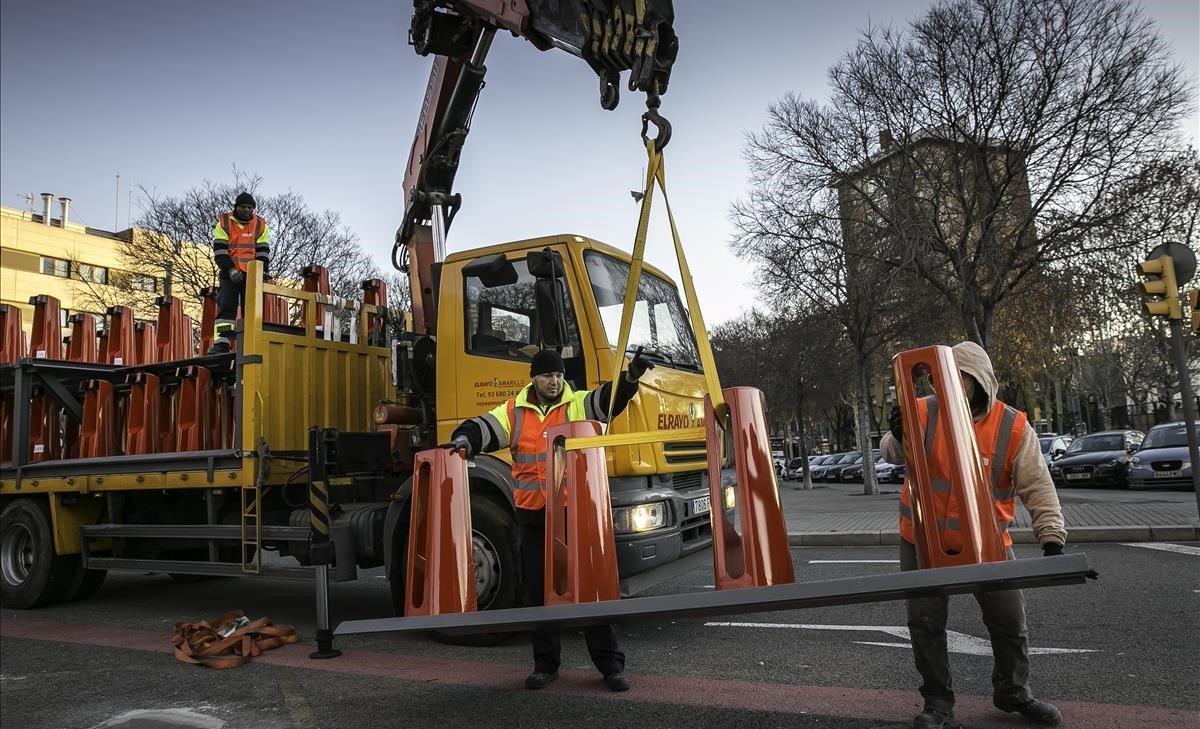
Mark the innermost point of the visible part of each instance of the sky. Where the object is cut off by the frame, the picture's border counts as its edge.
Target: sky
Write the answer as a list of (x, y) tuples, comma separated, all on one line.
[(322, 98)]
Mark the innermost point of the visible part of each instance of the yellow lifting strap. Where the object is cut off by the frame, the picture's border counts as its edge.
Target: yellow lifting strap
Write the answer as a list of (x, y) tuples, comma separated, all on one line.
[(656, 174)]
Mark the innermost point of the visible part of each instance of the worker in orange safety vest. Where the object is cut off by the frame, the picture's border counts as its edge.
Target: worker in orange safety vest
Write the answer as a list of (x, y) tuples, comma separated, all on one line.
[(239, 237), (1012, 457), (519, 424)]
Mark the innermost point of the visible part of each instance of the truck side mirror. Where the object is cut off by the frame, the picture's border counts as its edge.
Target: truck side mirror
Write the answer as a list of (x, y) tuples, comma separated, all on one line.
[(492, 271), (551, 303)]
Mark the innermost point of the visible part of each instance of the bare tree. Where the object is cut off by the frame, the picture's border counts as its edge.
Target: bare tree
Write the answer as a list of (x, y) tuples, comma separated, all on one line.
[(984, 143), (170, 242)]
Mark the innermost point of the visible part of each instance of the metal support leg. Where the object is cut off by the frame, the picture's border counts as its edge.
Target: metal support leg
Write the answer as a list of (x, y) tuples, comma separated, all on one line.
[(321, 549)]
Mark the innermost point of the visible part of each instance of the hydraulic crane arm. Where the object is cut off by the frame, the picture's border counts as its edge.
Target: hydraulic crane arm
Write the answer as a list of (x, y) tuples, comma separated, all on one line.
[(611, 36)]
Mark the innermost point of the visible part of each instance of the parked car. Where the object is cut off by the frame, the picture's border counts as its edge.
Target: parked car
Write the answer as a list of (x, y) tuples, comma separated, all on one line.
[(854, 471), (834, 472), (818, 470), (889, 473), (794, 470), (1098, 459), (1054, 445), (1162, 461)]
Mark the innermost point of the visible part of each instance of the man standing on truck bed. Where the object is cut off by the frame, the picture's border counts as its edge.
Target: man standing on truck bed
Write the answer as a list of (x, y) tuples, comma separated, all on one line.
[(239, 237), (519, 425)]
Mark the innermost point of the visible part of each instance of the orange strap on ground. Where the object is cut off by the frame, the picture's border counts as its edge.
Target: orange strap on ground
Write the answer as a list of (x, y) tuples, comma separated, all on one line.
[(229, 641)]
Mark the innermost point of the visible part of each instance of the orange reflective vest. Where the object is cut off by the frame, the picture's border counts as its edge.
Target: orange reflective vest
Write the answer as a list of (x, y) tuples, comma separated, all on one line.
[(246, 240), (527, 445), (998, 435)]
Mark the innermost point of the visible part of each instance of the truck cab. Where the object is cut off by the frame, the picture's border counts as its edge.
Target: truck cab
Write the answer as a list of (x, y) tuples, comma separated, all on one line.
[(494, 311)]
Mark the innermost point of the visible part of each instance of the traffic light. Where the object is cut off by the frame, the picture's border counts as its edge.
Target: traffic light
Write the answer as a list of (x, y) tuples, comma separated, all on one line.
[(1194, 306), (1159, 289)]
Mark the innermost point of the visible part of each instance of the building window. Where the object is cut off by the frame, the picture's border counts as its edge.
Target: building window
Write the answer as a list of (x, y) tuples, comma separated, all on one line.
[(138, 282), (56, 267), (93, 274)]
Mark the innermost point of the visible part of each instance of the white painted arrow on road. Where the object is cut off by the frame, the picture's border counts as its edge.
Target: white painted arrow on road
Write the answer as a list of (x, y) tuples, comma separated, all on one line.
[(955, 642)]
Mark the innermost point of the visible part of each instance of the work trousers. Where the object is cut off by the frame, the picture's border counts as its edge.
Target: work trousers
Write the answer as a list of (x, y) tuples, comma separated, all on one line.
[(1003, 614), (230, 296), (547, 643)]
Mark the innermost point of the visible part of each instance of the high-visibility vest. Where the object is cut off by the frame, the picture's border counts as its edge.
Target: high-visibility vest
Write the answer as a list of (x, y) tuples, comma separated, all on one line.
[(998, 435), (521, 427), (246, 240)]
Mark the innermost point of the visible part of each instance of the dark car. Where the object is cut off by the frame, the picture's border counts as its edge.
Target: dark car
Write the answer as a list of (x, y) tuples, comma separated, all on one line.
[(854, 471), (1054, 445), (819, 469), (1098, 459), (834, 472), (1162, 461)]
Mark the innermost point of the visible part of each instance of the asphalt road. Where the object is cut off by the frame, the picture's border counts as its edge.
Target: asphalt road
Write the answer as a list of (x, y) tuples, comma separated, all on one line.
[(1119, 652)]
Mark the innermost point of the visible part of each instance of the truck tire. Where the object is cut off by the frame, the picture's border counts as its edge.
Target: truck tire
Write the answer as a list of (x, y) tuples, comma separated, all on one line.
[(496, 568), (31, 574), (84, 583)]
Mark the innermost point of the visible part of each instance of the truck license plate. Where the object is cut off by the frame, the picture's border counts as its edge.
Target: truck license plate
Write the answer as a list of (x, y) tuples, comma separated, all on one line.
[(1168, 474), (702, 505), (1077, 476)]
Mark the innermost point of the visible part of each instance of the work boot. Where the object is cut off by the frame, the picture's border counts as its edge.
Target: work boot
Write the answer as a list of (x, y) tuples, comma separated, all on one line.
[(934, 719), (219, 348), (1034, 711), (540, 679), (616, 682)]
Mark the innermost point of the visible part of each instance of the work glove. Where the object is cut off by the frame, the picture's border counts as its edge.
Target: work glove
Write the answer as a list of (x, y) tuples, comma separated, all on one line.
[(237, 276), (1052, 549), (461, 444), (638, 366), (896, 423)]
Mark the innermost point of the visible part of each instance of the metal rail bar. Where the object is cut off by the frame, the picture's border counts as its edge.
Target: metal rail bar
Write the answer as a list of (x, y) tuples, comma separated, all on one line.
[(1036, 572)]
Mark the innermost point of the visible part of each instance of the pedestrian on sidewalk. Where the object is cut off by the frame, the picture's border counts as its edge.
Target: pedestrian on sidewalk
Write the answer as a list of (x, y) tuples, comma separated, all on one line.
[(1009, 449)]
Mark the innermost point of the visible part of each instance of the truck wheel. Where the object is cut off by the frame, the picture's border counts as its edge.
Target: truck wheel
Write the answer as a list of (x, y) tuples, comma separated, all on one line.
[(31, 574), (495, 549), (84, 583)]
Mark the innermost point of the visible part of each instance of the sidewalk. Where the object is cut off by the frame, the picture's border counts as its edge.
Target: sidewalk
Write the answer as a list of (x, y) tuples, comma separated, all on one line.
[(840, 515)]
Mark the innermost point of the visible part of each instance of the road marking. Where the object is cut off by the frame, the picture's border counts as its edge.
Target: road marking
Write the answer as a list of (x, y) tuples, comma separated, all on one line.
[(955, 642), (1165, 547), (854, 561)]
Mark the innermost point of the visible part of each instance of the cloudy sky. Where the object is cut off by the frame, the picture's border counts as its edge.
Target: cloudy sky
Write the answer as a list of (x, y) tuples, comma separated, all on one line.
[(322, 98)]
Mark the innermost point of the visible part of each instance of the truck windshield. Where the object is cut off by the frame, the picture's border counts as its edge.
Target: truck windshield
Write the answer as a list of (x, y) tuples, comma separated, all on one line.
[(660, 323)]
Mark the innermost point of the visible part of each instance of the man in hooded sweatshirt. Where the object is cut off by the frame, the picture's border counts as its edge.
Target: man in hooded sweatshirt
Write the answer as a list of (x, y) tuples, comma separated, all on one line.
[(1009, 450)]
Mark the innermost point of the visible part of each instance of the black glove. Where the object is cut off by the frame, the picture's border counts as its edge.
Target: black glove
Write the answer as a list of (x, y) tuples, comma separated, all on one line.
[(461, 444), (638, 366), (1052, 549), (237, 276), (896, 423)]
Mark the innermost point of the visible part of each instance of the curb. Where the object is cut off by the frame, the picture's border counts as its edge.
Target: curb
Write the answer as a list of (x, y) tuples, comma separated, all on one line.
[(1133, 533)]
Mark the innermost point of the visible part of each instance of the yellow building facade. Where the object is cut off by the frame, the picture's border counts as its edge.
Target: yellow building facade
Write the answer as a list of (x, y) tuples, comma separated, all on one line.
[(78, 265)]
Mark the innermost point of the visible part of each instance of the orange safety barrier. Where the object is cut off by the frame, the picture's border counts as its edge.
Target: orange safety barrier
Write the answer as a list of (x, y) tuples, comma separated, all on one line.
[(119, 345), (98, 432), (174, 331), (6, 434), (193, 419), (441, 565), (275, 309), (754, 553), (45, 443), (81, 344), (208, 317), (970, 488), (316, 279), (581, 552), (12, 338), (46, 339), (375, 294), (146, 340), (221, 410), (143, 414)]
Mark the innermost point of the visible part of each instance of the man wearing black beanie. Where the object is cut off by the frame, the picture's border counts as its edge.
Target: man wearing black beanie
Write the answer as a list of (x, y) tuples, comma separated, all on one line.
[(239, 237), (519, 424)]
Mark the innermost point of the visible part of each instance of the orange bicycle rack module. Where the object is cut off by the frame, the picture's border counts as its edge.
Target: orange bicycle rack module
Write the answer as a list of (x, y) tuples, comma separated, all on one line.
[(142, 427), (81, 342), (98, 433), (754, 552), (441, 564), (952, 435), (581, 552)]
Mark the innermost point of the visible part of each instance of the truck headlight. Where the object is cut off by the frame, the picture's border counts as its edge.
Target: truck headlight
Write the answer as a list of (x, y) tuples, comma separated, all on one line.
[(730, 498), (640, 518)]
